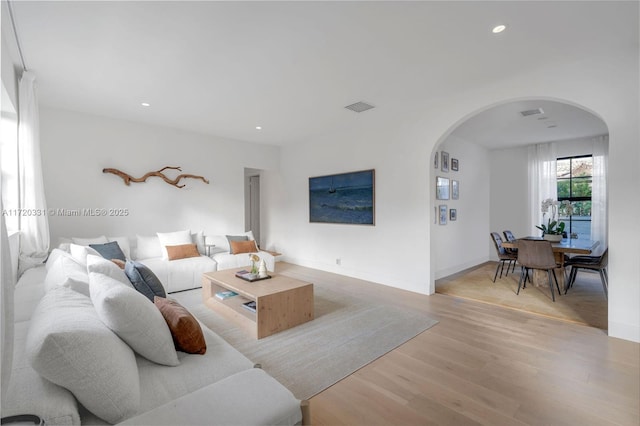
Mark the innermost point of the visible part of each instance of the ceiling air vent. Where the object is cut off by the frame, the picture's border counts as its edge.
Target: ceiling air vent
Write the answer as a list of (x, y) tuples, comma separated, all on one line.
[(532, 112), (359, 107)]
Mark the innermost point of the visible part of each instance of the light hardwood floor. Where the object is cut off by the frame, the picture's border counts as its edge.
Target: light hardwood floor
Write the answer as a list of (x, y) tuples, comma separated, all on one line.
[(585, 302), (483, 364)]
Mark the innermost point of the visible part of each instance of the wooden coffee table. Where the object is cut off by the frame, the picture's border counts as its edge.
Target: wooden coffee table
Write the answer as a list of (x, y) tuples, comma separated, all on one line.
[(281, 302)]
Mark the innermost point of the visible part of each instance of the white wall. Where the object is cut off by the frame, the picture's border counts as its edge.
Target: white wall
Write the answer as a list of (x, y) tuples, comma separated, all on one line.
[(509, 193), (463, 243), (76, 147), (393, 252)]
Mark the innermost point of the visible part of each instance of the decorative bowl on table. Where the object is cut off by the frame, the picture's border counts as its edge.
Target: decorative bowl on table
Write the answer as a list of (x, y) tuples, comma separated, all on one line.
[(554, 238)]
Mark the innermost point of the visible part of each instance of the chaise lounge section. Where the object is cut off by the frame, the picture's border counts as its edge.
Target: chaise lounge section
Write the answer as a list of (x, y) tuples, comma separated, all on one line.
[(73, 366)]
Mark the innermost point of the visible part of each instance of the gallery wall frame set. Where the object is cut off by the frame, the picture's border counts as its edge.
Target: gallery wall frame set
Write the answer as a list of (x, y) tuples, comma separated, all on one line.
[(446, 189), (441, 159), (343, 198)]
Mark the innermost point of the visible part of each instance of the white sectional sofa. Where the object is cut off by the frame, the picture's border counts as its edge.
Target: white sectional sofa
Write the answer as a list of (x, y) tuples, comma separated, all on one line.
[(94, 376), (180, 274)]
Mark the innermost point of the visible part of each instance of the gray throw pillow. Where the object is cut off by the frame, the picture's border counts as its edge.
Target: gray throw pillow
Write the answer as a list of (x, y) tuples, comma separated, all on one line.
[(236, 238), (144, 280), (109, 250)]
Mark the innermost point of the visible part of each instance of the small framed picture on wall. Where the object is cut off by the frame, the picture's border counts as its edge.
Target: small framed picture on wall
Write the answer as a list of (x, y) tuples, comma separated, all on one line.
[(445, 161), (442, 188), (443, 214), (453, 214), (454, 164), (455, 189), (435, 160)]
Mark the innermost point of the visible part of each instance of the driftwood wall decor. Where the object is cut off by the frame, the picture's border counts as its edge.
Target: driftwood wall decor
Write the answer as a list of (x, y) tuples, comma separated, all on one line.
[(175, 182)]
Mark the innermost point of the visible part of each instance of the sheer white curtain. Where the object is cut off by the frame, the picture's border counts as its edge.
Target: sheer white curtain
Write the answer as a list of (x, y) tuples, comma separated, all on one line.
[(6, 307), (599, 190), (34, 228), (542, 180)]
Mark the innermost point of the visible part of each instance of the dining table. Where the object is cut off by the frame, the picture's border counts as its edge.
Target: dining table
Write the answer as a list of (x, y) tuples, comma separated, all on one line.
[(560, 249)]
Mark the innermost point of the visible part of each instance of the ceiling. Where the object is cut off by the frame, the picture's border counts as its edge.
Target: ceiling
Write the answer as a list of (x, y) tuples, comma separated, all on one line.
[(223, 68)]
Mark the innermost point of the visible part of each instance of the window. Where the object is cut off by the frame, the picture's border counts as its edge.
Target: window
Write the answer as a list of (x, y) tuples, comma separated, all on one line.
[(574, 177), (9, 160)]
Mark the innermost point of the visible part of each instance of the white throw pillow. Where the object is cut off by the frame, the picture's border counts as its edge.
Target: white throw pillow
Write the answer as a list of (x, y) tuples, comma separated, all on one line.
[(198, 239), (65, 271), (148, 247), (80, 253), (53, 256), (86, 241), (136, 320), (68, 345), (173, 239), (123, 242), (220, 243), (98, 264)]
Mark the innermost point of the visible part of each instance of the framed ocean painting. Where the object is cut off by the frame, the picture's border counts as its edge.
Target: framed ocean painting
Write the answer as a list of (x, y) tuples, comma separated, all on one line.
[(346, 198)]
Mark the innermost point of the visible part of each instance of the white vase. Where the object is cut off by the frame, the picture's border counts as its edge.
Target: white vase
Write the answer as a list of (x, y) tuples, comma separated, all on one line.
[(554, 238)]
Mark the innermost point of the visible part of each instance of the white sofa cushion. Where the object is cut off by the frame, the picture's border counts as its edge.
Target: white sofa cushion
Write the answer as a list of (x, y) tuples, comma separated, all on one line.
[(54, 255), (173, 239), (198, 240), (250, 397), (80, 253), (29, 393), (64, 271), (181, 274), (133, 318), (69, 346), (28, 292), (86, 241), (148, 247), (162, 384)]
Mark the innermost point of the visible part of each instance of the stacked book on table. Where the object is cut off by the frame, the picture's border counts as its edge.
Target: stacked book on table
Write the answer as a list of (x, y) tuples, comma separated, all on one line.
[(222, 295)]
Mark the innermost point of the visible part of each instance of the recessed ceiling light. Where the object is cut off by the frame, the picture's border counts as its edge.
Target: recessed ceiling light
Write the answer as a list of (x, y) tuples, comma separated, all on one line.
[(498, 29), (145, 104), (258, 127)]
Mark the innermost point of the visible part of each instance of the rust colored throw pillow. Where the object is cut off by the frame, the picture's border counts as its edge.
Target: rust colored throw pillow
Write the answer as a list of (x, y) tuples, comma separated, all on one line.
[(182, 251), (118, 262), (238, 247), (185, 329)]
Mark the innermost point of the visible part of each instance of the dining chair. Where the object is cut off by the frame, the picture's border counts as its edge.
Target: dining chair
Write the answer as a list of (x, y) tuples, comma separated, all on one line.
[(508, 235), (503, 255), (592, 263), (537, 254)]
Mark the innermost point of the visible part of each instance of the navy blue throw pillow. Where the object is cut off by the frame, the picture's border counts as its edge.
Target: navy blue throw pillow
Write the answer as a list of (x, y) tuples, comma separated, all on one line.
[(144, 280), (109, 250)]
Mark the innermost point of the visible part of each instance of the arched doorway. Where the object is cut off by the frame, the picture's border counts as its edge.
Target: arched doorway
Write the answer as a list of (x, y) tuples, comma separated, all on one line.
[(489, 150)]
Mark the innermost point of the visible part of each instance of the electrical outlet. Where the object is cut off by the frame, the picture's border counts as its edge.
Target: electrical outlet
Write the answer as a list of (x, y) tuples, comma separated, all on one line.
[(338, 261)]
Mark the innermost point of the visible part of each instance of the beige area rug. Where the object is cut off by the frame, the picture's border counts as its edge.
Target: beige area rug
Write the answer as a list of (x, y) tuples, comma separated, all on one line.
[(585, 302), (347, 333)]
